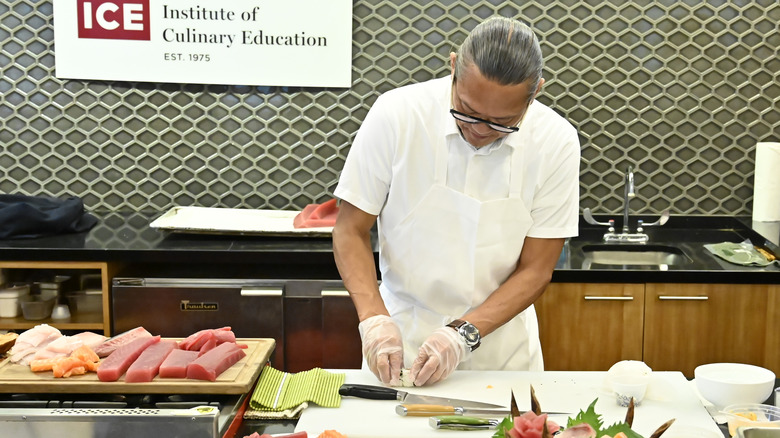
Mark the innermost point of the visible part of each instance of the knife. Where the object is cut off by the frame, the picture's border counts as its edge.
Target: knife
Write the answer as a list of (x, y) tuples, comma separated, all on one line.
[(456, 422), (383, 393), (434, 410), (407, 410)]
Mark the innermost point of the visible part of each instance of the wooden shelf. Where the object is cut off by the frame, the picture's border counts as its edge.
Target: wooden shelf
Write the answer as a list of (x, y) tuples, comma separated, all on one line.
[(80, 321)]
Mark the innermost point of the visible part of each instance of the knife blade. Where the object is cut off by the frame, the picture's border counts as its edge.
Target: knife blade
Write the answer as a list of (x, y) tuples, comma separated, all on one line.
[(408, 410), (383, 393), (457, 422)]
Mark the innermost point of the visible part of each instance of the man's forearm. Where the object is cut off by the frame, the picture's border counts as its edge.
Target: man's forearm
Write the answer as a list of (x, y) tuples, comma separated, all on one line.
[(355, 261)]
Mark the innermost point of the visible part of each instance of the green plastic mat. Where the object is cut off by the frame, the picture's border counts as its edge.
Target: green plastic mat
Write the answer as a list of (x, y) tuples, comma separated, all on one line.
[(279, 391)]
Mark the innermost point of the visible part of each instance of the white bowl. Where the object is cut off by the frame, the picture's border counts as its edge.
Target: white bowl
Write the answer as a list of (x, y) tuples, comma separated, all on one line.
[(724, 384)]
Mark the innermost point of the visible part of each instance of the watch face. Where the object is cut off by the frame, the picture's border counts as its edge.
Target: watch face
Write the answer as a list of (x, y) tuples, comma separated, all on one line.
[(470, 333)]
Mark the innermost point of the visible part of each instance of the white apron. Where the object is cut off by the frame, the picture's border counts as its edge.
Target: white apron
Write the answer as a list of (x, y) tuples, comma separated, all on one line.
[(447, 256)]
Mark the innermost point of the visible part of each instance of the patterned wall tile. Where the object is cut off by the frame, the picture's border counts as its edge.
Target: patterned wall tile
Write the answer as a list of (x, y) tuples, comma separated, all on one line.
[(681, 90)]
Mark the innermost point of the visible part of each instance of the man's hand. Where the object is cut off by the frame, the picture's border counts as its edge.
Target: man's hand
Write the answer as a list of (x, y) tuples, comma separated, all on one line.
[(439, 355), (382, 348)]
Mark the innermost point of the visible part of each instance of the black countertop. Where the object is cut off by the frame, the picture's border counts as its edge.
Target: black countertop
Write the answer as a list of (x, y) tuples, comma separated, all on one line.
[(126, 237), (688, 234)]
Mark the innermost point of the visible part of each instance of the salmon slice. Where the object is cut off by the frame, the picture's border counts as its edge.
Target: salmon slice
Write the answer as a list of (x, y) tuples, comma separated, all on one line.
[(64, 367), (82, 359), (86, 354), (39, 365), (75, 371)]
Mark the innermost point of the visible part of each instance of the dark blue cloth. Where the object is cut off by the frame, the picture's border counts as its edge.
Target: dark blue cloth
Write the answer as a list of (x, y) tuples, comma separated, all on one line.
[(25, 217)]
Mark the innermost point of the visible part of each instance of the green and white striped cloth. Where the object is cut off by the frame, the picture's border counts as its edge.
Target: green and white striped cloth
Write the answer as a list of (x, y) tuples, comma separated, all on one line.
[(279, 391)]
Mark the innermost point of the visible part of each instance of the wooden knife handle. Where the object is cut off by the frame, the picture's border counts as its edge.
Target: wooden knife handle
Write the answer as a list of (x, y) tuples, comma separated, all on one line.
[(368, 391), (424, 410)]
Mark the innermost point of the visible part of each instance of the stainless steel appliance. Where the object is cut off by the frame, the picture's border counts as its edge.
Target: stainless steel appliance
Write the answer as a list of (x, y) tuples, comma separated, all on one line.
[(313, 322), (178, 307), (120, 416)]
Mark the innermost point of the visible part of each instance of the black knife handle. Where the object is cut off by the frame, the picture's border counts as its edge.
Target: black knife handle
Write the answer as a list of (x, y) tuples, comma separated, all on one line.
[(368, 391)]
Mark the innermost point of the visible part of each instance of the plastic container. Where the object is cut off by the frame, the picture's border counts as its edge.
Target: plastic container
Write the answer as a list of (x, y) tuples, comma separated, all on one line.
[(52, 288), (36, 309), (87, 301), (10, 298), (752, 415)]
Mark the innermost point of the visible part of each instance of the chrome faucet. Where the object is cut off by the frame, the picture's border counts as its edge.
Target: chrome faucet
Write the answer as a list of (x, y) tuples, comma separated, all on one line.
[(628, 194), (626, 236)]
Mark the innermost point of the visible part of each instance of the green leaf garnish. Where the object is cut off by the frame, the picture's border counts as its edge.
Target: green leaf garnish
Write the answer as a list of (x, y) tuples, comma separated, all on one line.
[(616, 428), (506, 425), (588, 416)]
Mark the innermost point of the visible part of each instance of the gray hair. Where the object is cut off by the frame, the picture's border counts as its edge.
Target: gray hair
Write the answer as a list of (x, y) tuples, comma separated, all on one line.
[(505, 51)]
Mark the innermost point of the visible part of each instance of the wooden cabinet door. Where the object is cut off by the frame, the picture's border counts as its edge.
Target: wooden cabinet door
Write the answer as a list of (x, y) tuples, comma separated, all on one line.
[(692, 324), (589, 327)]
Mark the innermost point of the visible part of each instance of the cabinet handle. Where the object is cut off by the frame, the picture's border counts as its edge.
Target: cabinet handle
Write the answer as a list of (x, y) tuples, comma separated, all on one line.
[(260, 292), (335, 293), (599, 298), (683, 298)]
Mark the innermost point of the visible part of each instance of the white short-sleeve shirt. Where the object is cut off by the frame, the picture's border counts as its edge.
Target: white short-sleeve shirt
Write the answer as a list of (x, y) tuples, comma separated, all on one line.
[(390, 166)]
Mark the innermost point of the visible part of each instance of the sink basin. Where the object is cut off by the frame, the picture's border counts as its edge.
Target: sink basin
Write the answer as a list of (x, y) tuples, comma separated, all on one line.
[(758, 432), (634, 255)]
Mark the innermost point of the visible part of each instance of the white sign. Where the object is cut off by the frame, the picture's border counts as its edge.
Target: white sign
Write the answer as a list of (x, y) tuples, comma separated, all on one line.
[(305, 43)]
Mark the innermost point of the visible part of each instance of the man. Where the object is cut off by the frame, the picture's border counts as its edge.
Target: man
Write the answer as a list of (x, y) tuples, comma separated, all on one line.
[(475, 187)]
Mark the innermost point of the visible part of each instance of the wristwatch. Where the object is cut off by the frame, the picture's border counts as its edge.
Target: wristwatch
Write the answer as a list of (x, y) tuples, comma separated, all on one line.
[(469, 333)]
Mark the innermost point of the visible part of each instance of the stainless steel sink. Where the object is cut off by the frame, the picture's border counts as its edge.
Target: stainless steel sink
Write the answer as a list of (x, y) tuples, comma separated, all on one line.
[(758, 432), (634, 255)]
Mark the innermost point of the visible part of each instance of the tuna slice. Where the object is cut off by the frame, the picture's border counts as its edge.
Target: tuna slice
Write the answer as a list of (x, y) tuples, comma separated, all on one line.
[(175, 365), (112, 367), (317, 215), (196, 340), (106, 348), (214, 362), (148, 363)]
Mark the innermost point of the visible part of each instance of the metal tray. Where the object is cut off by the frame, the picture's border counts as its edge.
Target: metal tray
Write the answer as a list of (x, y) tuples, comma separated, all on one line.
[(235, 221)]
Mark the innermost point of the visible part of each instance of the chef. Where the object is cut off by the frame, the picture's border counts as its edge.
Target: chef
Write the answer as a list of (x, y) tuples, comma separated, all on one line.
[(474, 185)]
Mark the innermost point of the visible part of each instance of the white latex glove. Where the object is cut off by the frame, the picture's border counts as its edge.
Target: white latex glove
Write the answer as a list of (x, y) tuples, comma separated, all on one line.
[(439, 355), (382, 348)]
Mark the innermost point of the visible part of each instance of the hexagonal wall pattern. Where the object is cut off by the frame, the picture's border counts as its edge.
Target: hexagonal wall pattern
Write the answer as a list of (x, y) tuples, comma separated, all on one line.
[(681, 90)]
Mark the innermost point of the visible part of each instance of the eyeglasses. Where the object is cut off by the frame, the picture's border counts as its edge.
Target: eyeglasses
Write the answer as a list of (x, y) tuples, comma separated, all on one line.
[(465, 118)]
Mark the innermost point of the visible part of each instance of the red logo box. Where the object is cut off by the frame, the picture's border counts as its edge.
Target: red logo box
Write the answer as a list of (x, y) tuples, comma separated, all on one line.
[(114, 19)]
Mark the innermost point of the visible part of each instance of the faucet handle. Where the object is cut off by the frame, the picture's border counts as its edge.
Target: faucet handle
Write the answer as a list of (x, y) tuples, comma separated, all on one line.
[(661, 220), (588, 216)]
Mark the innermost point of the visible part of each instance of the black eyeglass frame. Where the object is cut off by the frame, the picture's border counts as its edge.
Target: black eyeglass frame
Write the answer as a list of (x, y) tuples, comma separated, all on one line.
[(465, 118)]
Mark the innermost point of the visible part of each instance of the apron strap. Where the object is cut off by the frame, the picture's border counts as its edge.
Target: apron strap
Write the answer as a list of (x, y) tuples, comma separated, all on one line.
[(516, 170)]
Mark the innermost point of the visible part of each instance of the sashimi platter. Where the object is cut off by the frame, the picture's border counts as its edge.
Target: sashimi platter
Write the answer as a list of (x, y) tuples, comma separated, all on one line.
[(42, 359)]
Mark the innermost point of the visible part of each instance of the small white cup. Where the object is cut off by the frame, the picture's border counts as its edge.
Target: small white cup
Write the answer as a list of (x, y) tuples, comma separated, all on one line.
[(626, 387), (60, 311)]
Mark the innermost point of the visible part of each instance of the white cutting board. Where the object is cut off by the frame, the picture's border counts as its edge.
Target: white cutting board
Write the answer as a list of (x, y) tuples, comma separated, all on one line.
[(669, 396), (210, 220)]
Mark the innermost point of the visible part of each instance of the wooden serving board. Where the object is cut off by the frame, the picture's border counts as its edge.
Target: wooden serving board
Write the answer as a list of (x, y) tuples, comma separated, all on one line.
[(238, 379)]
